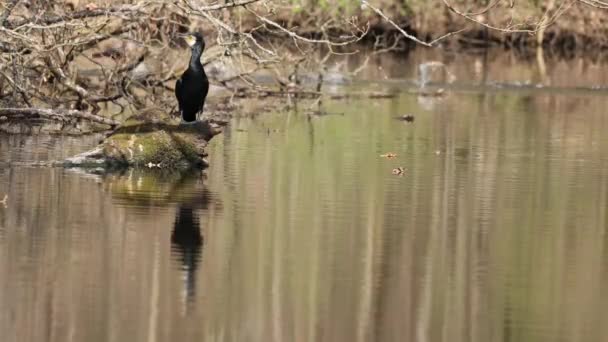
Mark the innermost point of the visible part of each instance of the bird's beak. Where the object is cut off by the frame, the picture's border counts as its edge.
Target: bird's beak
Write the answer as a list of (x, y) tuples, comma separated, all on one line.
[(190, 40)]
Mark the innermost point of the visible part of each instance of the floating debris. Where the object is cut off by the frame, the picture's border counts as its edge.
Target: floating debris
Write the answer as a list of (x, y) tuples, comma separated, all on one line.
[(389, 155), (437, 152), (406, 118), (432, 92), (274, 130), (151, 165), (4, 200), (398, 171)]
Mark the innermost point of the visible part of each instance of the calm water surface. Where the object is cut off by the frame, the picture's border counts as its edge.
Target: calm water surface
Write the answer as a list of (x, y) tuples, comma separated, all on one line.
[(299, 231)]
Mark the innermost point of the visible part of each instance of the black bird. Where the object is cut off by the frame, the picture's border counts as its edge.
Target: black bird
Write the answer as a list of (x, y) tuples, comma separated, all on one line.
[(192, 88)]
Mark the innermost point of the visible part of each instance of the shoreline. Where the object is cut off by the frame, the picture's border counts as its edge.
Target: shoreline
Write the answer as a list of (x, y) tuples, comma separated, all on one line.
[(578, 29)]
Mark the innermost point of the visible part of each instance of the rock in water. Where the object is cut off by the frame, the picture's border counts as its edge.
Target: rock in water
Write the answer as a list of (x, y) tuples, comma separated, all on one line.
[(143, 141)]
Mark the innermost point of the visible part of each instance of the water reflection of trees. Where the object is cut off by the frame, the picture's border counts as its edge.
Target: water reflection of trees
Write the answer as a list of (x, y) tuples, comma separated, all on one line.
[(497, 237), (501, 235)]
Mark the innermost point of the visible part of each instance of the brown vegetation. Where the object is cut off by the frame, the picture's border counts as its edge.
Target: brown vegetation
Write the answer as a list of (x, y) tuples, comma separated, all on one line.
[(81, 58), (101, 61)]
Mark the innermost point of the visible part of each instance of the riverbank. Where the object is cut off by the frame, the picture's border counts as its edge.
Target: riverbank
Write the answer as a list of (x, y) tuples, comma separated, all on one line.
[(518, 25), (122, 64)]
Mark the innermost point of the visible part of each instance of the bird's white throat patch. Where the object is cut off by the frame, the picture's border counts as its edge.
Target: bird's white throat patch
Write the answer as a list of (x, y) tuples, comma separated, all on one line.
[(190, 40)]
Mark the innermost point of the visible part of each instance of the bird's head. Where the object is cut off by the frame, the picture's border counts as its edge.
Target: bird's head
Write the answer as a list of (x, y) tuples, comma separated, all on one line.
[(194, 38)]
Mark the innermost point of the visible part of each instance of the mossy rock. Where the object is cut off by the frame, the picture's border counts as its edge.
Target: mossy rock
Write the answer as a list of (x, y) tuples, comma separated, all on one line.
[(148, 141)]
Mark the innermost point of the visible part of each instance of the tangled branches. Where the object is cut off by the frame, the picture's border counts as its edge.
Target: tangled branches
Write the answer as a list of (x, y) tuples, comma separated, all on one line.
[(97, 60), (109, 61), (513, 20)]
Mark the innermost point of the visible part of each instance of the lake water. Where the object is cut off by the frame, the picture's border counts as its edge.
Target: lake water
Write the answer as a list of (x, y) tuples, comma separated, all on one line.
[(300, 231)]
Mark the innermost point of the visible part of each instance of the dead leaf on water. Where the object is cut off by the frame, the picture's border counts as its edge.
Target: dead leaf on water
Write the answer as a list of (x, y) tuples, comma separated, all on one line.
[(389, 155), (399, 171), (406, 118)]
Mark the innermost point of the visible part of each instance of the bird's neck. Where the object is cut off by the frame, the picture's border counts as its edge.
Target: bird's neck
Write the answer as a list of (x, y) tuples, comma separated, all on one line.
[(195, 59)]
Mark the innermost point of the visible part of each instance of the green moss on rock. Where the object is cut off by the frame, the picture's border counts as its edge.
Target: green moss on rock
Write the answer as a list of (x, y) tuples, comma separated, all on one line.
[(144, 141)]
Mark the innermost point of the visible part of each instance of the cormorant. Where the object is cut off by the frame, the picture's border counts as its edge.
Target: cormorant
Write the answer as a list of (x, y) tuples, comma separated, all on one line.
[(192, 88)]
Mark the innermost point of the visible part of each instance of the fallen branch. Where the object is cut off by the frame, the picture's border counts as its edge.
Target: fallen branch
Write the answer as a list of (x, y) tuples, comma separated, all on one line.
[(227, 5), (63, 115), (307, 94)]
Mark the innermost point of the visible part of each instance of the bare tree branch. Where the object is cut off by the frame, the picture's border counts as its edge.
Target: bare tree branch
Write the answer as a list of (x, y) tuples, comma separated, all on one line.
[(82, 14), (407, 35), (294, 35), (595, 3), (227, 4)]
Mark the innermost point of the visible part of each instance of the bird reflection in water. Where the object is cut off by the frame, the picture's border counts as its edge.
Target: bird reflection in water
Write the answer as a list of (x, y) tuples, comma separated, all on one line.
[(187, 242), (187, 247), (187, 193)]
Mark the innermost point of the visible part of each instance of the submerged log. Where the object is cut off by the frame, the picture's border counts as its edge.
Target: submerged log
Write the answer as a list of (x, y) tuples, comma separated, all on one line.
[(148, 142)]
